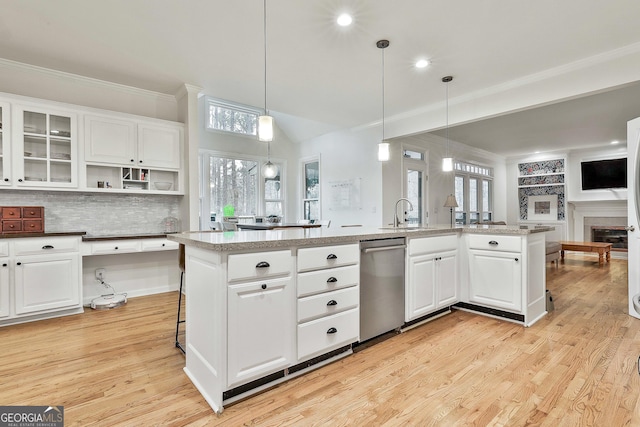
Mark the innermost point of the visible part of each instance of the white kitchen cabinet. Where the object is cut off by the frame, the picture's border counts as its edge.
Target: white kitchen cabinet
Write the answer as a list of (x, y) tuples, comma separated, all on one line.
[(5, 147), (506, 276), (328, 298), (121, 141), (260, 334), (41, 278), (496, 279), (44, 144), (4, 286), (432, 275)]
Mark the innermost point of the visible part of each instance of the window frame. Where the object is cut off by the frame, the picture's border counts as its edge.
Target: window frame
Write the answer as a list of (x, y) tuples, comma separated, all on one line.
[(421, 165), (210, 101), (205, 179), (481, 174), (303, 199)]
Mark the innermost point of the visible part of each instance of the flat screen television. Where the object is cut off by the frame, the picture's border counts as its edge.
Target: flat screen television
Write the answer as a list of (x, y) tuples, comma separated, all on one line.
[(604, 174)]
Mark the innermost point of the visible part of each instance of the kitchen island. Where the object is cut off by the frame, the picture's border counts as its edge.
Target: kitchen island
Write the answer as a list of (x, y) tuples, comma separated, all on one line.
[(265, 306)]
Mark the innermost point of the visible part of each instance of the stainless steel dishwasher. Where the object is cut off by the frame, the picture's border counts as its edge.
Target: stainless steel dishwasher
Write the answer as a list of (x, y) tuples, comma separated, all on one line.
[(381, 286)]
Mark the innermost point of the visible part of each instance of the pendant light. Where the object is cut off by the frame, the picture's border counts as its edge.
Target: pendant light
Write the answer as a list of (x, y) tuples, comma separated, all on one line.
[(269, 170), (447, 161), (265, 122), (383, 147)]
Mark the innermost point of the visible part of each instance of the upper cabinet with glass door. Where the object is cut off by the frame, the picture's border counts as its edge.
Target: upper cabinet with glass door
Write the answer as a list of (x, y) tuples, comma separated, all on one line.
[(45, 144), (5, 153)]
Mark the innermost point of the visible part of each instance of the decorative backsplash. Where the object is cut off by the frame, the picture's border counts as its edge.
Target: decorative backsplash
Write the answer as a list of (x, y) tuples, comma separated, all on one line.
[(544, 178), (99, 214), (541, 167)]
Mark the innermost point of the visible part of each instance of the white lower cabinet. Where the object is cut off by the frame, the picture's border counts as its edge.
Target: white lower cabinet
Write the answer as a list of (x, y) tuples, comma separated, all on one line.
[(260, 335), (45, 282), (328, 299), (40, 278), (4, 287), (432, 275), (496, 279)]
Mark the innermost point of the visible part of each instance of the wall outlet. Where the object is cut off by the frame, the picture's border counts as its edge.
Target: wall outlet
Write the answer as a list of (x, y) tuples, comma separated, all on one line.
[(100, 273)]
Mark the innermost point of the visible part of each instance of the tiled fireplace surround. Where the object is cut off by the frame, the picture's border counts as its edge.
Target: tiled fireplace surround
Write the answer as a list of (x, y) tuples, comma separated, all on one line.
[(600, 213)]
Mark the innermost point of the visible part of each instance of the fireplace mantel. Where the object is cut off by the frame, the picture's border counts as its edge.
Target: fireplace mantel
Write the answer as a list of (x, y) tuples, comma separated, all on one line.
[(594, 208)]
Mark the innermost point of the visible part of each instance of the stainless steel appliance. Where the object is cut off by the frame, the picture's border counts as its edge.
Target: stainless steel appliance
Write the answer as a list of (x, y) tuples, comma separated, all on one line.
[(381, 286)]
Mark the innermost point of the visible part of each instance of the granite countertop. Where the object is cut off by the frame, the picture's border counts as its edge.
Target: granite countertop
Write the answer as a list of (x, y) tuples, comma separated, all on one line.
[(44, 234), (273, 239)]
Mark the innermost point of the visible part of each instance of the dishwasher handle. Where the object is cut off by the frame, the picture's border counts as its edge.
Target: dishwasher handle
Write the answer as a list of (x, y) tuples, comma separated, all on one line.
[(383, 248)]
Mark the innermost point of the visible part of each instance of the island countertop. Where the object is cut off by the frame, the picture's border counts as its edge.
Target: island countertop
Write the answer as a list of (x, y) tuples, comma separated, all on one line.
[(271, 239)]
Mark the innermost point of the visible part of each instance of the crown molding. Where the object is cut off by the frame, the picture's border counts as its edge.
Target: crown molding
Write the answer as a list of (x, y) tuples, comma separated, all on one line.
[(76, 78)]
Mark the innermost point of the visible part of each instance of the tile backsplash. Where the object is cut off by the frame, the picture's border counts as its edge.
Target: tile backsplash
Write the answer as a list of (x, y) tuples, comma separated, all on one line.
[(97, 213)]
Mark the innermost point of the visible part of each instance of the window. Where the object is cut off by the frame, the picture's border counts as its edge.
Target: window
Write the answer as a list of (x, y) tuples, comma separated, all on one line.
[(415, 189), (228, 117), (473, 192), (234, 186), (311, 190)]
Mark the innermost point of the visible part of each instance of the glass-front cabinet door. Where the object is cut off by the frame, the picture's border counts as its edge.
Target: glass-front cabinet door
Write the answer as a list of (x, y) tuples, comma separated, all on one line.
[(5, 159), (46, 144)]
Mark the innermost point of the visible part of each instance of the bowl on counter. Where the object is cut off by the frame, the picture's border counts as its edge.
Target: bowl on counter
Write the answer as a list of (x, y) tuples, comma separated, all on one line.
[(163, 185)]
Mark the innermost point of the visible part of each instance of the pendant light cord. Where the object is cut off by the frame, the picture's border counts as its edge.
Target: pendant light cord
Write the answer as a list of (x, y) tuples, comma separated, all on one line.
[(382, 95), (264, 27)]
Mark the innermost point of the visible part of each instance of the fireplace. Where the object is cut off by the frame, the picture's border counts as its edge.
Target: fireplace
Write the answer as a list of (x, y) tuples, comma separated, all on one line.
[(610, 234)]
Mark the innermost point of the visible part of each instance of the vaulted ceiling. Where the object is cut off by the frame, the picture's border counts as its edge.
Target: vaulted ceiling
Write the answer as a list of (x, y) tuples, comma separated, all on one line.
[(325, 77)]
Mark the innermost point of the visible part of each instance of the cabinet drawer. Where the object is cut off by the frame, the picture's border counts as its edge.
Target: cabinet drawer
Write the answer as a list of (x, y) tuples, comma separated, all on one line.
[(115, 247), (158, 245), (495, 242), (32, 212), (327, 303), (32, 225), (11, 225), (327, 256), (31, 246), (327, 280), (328, 333), (424, 245), (10, 213), (258, 265), (4, 248)]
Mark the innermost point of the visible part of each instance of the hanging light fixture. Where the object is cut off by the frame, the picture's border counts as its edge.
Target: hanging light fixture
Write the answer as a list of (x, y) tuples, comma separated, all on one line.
[(383, 147), (265, 122), (269, 170), (447, 161)]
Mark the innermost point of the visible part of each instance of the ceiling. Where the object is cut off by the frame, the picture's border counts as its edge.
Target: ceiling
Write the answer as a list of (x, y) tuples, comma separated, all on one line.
[(322, 77)]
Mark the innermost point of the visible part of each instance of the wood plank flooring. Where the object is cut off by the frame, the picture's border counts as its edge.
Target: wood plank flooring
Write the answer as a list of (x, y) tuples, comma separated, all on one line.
[(575, 367)]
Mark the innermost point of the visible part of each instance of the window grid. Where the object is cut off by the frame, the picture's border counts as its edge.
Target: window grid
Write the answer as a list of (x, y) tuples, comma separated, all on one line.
[(473, 190)]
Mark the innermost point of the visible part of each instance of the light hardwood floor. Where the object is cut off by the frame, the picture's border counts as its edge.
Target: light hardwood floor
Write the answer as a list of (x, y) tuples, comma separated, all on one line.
[(577, 366)]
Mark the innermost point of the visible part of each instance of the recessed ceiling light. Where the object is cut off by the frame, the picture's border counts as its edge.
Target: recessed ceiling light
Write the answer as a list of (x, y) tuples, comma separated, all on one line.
[(344, 20), (615, 142), (422, 63), (536, 152)]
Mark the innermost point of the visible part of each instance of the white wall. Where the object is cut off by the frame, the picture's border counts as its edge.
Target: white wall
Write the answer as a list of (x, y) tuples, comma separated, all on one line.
[(348, 158)]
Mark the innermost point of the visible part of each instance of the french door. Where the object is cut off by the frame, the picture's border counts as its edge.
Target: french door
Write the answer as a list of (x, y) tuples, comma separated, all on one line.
[(633, 213)]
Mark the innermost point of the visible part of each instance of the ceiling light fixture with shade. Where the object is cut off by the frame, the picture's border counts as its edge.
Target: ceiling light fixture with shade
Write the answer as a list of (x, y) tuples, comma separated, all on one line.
[(383, 147), (265, 122), (447, 161)]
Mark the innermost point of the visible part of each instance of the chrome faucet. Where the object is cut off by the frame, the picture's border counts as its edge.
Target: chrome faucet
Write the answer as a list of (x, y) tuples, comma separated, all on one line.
[(396, 221)]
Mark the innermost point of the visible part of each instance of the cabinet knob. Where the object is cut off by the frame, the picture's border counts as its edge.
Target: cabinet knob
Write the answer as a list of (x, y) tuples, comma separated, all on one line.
[(332, 331), (12, 226), (11, 213), (264, 286), (139, 161), (19, 179), (332, 256), (4, 264), (262, 264), (18, 263), (47, 247), (516, 259), (332, 302), (493, 243), (116, 248), (132, 160), (332, 280), (6, 180), (163, 245)]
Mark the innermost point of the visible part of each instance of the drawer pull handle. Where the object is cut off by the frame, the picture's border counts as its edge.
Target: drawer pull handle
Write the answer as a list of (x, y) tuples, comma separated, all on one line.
[(332, 331), (11, 213), (332, 280), (493, 242), (332, 256), (264, 286), (6, 180), (262, 264), (4, 265), (332, 302), (18, 263), (47, 247), (12, 226)]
